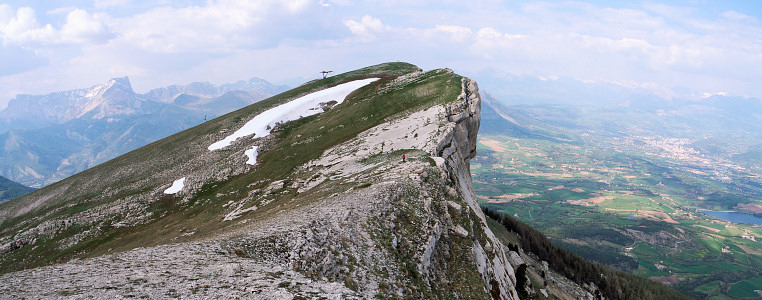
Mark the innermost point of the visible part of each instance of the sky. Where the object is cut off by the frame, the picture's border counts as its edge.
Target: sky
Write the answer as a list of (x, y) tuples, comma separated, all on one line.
[(706, 46)]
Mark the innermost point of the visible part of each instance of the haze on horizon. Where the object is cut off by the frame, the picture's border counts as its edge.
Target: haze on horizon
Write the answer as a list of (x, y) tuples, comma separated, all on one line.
[(707, 46)]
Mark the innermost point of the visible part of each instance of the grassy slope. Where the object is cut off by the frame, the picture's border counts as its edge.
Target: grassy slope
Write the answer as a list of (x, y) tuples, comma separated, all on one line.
[(132, 175)]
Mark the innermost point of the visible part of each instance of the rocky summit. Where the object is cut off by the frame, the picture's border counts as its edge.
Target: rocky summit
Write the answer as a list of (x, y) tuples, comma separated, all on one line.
[(365, 192)]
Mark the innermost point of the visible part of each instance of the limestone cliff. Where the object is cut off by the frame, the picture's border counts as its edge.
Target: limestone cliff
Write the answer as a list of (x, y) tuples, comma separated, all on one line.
[(354, 220)]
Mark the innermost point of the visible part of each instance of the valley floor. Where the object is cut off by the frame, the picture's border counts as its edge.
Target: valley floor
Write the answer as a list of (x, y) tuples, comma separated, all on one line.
[(624, 207)]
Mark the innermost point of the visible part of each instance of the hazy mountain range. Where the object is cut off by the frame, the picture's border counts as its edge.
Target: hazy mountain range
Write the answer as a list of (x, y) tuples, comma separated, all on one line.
[(46, 138), (724, 124), (11, 189)]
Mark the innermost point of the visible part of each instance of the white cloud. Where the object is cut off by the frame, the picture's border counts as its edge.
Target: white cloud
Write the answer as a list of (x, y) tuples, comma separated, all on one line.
[(736, 16), (23, 28), (490, 36), (367, 28), (710, 94), (456, 33), (101, 4), (226, 40), (227, 25), (81, 27)]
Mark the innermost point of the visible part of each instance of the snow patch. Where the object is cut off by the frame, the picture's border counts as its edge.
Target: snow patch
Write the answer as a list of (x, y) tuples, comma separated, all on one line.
[(252, 154), (176, 187), (304, 106)]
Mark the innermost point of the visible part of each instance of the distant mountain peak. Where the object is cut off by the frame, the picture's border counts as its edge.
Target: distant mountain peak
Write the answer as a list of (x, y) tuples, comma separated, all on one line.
[(114, 97), (254, 85), (120, 83)]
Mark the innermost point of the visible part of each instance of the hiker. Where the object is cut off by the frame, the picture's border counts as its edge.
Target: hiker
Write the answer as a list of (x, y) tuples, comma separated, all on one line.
[(403, 157)]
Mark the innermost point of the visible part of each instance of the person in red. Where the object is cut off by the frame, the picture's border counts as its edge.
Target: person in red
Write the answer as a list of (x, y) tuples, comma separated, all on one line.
[(403, 157)]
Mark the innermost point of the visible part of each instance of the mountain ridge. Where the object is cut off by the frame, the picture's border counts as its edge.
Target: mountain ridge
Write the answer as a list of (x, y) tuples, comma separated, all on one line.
[(219, 183)]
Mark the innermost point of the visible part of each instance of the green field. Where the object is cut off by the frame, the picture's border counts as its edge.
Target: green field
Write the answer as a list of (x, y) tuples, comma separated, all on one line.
[(617, 204)]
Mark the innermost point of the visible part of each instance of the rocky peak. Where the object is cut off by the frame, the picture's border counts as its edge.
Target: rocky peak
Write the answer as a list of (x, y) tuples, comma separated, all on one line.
[(112, 98), (120, 85)]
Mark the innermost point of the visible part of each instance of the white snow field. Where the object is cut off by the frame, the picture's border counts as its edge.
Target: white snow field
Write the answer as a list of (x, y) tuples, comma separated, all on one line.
[(176, 187), (252, 154), (304, 106)]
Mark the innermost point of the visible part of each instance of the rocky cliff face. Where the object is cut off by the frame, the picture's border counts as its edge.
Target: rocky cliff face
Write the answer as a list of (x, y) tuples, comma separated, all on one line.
[(355, 220)]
